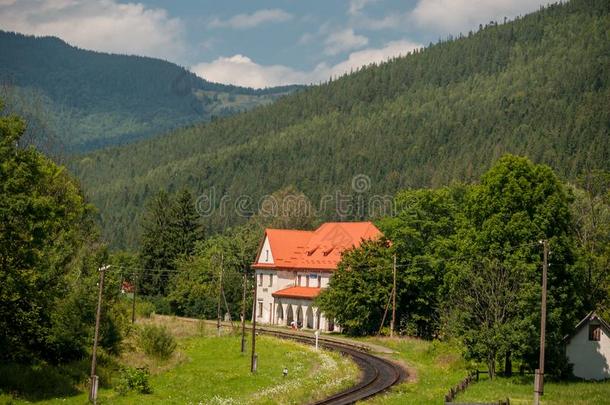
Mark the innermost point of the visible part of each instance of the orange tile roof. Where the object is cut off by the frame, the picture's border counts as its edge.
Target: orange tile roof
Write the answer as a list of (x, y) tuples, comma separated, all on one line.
[(315, 250), (297, 292)]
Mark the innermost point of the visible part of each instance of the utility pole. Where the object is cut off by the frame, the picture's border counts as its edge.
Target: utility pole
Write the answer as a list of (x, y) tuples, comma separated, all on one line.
[(539, 379), (393, 323), (243, 313), (133, 304), (219, 298), (94, 378), (254, 359)]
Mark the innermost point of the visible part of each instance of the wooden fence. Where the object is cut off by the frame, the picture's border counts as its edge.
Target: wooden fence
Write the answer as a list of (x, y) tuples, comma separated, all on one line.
[(462, 385)]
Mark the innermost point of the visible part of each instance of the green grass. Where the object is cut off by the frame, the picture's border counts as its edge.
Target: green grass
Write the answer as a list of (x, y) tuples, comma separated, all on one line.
[(437, 366), (434, 367), (520, 390), (212, 370)]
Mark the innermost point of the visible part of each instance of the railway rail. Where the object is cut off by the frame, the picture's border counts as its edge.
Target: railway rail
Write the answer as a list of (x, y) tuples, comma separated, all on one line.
[(378, 374)]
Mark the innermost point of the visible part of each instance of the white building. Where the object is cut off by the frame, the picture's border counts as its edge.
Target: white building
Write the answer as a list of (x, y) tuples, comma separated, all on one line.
[(588, 348), (292, 267)]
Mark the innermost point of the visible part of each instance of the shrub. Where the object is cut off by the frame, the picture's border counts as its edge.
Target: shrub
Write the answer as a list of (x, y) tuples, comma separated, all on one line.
[(156, 341), (145, 309), (133, 379), (162, 305)]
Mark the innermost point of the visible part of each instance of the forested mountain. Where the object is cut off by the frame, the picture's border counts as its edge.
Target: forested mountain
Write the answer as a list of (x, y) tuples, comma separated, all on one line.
[(537, 86), (85, 99)]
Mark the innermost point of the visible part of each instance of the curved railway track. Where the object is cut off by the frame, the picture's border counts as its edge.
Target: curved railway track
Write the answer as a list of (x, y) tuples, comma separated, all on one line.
[(378, 374)]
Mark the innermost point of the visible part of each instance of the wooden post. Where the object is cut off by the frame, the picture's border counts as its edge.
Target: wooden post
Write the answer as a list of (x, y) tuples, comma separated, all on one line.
[(539, 380), (393, 323), (94, 380), (253, 359), (243, 313), (218, 321), (133, 304)]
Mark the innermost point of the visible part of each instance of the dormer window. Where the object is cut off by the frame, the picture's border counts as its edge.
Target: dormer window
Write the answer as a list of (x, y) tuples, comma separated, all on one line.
[(327, 252)]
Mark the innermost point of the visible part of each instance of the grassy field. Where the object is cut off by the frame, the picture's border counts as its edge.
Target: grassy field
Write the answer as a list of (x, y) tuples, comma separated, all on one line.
[(208, 369), (520, 390), (433, 368)]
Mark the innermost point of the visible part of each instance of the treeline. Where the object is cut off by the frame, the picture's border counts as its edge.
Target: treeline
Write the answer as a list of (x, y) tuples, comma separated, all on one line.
[(98, 99), (536, 86), (469, 264)]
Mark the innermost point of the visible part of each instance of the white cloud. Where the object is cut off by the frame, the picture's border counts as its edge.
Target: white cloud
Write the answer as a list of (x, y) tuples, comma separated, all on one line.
[(453, 16), (372, 55), (245, 21), (243, 71), (108, 26), (344, 40), (356, 6)]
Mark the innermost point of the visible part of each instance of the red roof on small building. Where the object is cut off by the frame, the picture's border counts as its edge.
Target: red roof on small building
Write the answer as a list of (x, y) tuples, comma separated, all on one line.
[(317, 250), (297, 292)]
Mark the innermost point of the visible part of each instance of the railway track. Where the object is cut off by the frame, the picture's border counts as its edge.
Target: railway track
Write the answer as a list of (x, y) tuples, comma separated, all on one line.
[(378, 374)]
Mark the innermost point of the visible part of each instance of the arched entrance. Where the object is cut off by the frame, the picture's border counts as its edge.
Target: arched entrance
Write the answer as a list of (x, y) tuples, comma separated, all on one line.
[(318, 319), (279, 313), (300, 316), (309, 318), (289, 315)]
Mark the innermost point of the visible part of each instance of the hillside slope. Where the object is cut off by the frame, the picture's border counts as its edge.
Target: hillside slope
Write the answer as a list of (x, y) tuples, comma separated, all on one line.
[(91, 99), (537, 86)]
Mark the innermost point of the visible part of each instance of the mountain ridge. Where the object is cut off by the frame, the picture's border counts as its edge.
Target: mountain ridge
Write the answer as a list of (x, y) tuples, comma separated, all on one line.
[(535, 86), (104, 99)]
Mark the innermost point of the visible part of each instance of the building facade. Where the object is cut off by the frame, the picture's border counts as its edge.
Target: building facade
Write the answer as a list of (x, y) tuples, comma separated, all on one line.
[(588, 348), (293, 266)]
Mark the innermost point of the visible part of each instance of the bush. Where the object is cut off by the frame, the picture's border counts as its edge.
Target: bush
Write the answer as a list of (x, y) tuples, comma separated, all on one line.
[(156, 341), (133, 379), (145, 309), (161, 303)]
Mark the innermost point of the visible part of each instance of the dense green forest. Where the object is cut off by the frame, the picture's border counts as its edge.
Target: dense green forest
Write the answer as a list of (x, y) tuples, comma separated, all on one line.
[(537, 86), (84, 100)]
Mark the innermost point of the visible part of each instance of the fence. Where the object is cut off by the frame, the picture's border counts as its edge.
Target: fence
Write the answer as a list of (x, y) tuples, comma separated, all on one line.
[(461, 387)]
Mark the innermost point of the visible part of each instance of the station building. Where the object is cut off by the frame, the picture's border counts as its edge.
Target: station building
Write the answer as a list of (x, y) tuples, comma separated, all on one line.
[(293, 266)]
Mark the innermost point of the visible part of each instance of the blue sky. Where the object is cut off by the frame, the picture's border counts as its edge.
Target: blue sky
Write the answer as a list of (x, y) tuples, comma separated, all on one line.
[(257, 43)]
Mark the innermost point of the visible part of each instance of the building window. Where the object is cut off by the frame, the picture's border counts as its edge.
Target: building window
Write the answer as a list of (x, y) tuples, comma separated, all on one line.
[(260, 310), (299, 280), (260, 279), (266, 255), (307, 281), (595, 333), (270, 280), (319, 281)]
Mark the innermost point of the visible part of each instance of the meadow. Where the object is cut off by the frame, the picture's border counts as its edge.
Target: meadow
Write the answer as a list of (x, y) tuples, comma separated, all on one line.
[(207, 369)]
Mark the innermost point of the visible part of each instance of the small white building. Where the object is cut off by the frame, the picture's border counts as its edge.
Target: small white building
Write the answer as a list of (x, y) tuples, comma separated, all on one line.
[(293, 266), (588, 348)]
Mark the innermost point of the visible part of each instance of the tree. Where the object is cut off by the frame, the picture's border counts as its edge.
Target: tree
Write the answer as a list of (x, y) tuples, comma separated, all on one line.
[(171, 229), (359, 291), (49, 254), (419, 231), (194, 290), (159, 250), (185, 223), (591, 213), (516, 205)]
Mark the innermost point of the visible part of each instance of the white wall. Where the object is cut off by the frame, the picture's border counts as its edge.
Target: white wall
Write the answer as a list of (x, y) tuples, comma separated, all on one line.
[(284, 279), (591, 359)]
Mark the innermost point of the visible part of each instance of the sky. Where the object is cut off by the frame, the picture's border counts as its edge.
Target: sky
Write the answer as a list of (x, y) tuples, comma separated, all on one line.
[(258, 43)]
